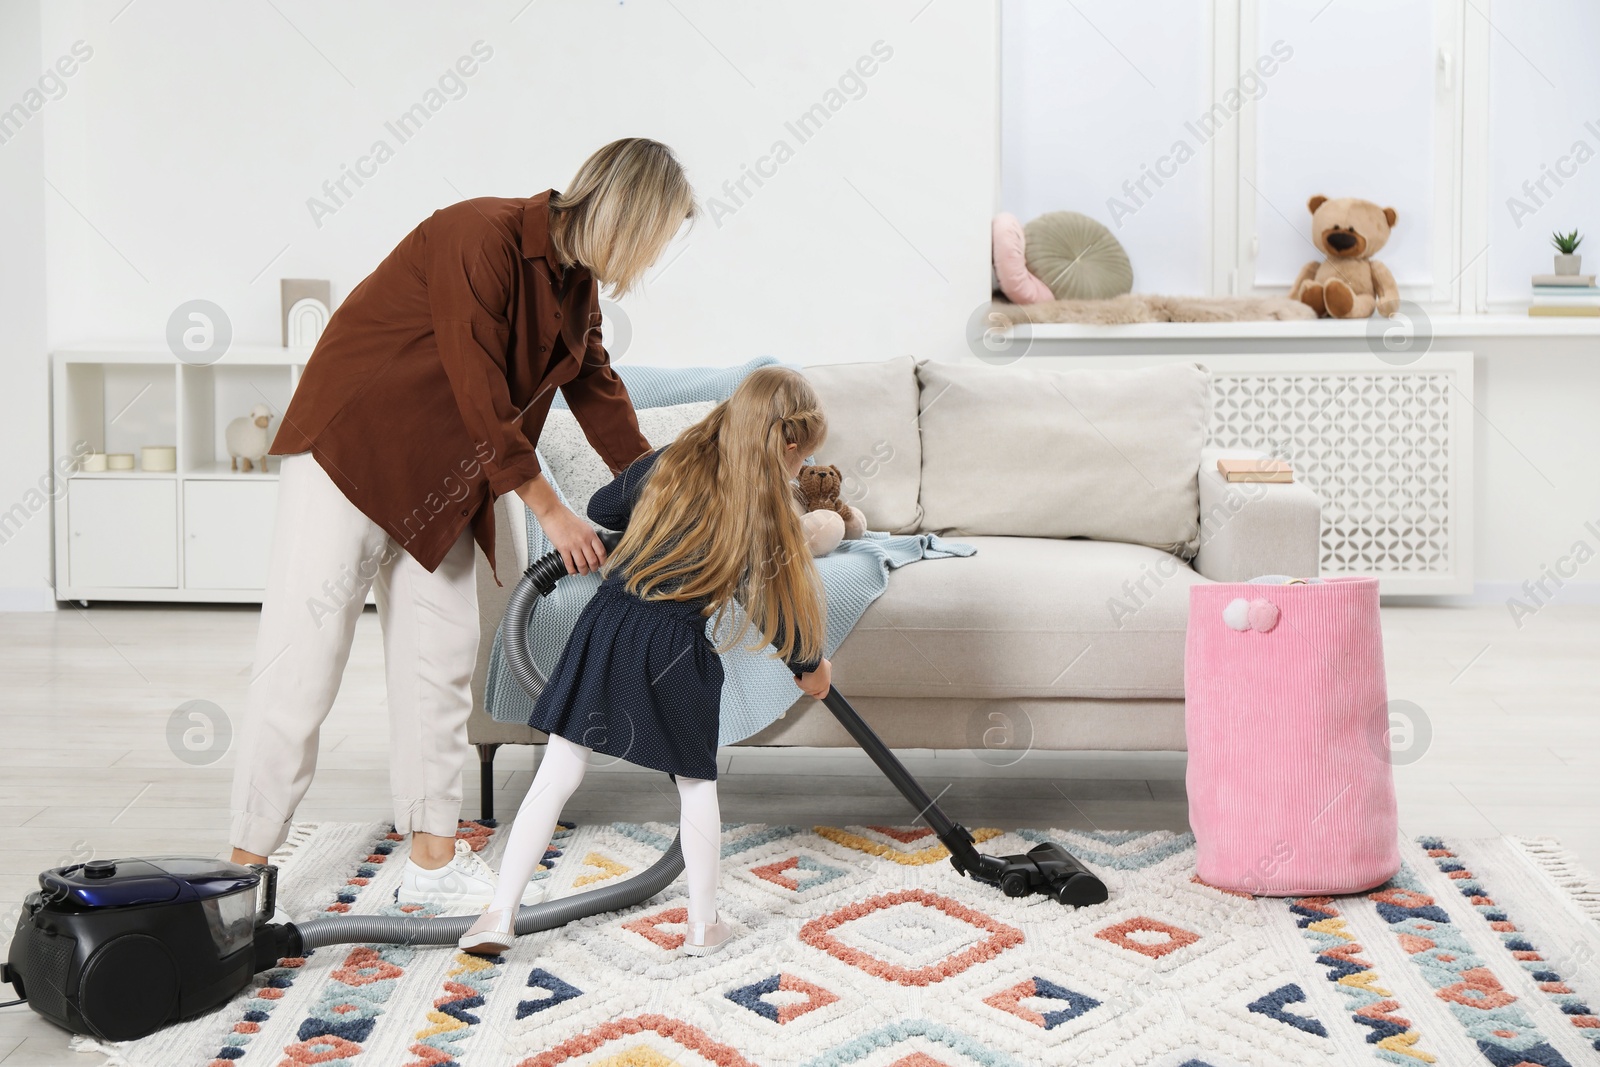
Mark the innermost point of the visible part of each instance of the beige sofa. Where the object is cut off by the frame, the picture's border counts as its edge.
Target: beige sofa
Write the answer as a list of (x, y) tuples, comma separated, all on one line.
[(1094, 507)]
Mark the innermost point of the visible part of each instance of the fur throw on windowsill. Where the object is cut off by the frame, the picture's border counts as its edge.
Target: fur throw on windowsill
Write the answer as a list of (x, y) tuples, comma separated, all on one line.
[(1145, 307)]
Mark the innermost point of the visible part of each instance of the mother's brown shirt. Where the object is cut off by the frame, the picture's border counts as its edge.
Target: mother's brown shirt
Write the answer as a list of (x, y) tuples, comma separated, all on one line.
[(424, 394)]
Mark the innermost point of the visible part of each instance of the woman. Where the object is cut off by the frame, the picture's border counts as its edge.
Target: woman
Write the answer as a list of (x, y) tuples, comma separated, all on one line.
[(419, 407)]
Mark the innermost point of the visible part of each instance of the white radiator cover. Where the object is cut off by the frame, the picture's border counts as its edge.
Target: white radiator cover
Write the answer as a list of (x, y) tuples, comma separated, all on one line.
[(1388, 447)]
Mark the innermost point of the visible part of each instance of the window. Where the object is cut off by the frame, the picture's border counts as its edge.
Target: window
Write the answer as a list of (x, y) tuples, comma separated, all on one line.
[(1352, 111), (1098, 115), (1198, 129), (1544, 138)]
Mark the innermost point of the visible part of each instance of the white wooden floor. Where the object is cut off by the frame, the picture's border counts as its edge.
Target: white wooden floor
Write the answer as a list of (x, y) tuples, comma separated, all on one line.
[(85, 766)]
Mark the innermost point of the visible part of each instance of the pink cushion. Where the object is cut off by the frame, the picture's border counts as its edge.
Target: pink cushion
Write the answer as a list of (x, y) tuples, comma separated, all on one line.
[(1011, 267)]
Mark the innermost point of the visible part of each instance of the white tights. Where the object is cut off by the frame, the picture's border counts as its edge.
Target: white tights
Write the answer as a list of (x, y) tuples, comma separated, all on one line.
[(558, 777)]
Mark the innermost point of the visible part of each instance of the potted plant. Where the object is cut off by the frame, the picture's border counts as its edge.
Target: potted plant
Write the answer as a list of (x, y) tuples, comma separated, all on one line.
[(1568, 261)]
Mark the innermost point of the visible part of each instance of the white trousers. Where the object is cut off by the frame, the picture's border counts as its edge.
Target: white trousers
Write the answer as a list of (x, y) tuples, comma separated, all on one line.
[(326, 555)]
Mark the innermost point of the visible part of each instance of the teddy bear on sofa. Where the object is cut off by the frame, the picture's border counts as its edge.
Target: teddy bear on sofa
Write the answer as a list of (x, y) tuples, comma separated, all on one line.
[(1349, 283), (826, 518)]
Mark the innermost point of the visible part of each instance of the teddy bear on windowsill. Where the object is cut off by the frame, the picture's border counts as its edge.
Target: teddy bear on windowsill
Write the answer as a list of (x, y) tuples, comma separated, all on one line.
[(826, 518), (1349, 284)]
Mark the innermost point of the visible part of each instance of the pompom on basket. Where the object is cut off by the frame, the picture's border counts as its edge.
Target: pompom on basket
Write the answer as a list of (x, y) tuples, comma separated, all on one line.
[(1291, 791)]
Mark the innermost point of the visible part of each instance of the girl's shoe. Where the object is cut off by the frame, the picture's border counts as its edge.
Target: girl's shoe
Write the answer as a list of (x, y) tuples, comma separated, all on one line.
[(702, 939), (491, 935)]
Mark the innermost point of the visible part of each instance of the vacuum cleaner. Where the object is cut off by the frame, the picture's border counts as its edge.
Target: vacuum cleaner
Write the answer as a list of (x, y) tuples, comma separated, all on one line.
[(120, 948)]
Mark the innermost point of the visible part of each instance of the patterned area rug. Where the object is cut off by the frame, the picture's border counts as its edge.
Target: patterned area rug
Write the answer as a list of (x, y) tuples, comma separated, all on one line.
[(860, 947)]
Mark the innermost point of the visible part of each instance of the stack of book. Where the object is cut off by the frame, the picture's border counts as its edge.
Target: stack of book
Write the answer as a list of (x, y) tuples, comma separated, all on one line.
[(1255, 470), (1565, 294)]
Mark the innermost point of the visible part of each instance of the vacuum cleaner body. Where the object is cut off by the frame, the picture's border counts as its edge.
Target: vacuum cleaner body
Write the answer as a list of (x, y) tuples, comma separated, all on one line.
[(121, 948)]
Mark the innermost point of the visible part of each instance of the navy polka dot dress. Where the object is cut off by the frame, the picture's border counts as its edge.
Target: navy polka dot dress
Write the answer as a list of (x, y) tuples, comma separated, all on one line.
[(638, 679)]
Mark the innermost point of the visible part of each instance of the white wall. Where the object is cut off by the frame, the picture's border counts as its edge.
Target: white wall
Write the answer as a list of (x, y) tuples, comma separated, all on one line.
[(190, 143), (1537, 495), (24, 402), (200, 130)]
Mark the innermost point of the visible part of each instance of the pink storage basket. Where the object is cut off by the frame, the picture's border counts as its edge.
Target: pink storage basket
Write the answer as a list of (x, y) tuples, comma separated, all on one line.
[(1291, 791)]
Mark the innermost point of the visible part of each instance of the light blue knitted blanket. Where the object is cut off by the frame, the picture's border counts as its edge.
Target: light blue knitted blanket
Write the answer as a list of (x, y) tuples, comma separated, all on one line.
[(756, 688)]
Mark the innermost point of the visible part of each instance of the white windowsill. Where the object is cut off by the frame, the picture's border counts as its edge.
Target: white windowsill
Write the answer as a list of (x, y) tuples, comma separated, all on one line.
[(1508, 325)]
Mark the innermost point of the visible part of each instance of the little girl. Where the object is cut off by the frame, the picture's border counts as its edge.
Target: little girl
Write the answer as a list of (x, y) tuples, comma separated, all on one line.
[(708, 520)]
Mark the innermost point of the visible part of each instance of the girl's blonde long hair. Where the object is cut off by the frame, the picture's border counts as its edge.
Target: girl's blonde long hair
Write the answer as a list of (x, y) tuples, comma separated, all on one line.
[(620, 210), (718, 519)]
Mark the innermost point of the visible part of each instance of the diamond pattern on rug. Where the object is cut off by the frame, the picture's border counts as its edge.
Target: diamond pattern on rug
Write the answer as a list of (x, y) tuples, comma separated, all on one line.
[(643, 1041), (851, 958), (650, 927), (739, 838), (797, 873), (605, 869), (925, 1043), (794, 874), (1148, 937), (1125, 850), (555, 992), (912, 937), (764, 997), (1274, 1005), (913, 847), (1041, 989)]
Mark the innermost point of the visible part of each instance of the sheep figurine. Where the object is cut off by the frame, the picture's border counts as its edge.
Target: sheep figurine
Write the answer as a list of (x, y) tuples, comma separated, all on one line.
[(248, 438)]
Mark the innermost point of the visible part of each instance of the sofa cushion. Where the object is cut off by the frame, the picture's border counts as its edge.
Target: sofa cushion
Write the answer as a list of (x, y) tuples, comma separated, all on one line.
[(1026, 617), (1108, 454), (572, 464), (872, 437)]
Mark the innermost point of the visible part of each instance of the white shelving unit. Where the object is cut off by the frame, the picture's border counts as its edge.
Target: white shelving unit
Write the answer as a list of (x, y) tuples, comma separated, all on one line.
[(201, 533)]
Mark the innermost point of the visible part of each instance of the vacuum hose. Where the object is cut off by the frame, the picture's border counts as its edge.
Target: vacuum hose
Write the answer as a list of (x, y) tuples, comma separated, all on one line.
[(537, 582), (446, 930)]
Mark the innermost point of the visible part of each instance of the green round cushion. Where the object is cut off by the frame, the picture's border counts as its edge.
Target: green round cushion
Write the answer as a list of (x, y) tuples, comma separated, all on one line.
[(1077, 257)]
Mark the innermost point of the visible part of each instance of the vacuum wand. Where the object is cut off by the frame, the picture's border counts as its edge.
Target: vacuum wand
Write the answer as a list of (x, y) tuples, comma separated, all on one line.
[(1046, 868), (954, 836)]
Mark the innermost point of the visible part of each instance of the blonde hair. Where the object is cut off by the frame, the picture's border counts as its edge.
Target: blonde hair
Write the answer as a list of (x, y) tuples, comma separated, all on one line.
[(718, 519), (620, 210)]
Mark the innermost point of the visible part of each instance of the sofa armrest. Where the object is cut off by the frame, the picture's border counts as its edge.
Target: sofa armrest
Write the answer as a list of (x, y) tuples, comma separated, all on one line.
[(1252, 528), (511, 545)]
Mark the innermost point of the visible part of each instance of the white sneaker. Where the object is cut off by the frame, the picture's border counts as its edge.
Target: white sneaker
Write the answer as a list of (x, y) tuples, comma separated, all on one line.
[(464, 885), (702, 939)]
